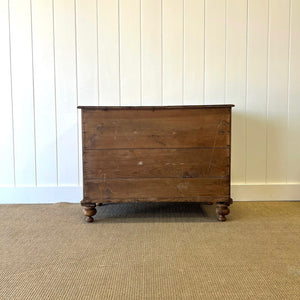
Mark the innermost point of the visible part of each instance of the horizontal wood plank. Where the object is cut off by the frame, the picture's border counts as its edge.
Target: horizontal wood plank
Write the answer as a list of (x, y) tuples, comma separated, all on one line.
[(156, 128), (155, 163), (150, 189)]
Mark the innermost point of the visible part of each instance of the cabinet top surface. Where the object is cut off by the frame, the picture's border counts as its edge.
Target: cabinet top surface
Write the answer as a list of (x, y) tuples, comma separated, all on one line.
[(157, 107)]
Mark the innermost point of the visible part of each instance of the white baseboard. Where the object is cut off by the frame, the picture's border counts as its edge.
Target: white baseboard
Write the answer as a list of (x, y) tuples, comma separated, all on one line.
[(40, 194), (73, 194), (265, 192)]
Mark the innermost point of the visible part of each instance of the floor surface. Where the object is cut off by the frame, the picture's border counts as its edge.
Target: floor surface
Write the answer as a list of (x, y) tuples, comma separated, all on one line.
[(150, 251)]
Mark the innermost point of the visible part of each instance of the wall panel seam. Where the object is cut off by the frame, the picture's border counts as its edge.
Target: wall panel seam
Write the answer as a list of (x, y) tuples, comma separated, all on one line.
[(288, 87), (55, 92), (162, 52), (33, 93), (11, 94), (246, 94), (267, 93), (141, 81), (97, 32), (183, 49), (76, 84), (204, 51), (225, 54), (119, 52)]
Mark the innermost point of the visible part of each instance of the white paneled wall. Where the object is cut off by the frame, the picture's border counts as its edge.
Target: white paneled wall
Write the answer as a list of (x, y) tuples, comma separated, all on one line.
[(236, 82), (44, 92), (57, 54), (257, 91)]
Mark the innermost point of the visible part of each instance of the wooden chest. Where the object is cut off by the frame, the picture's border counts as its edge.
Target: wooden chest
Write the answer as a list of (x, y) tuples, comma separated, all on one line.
[(164, 153)]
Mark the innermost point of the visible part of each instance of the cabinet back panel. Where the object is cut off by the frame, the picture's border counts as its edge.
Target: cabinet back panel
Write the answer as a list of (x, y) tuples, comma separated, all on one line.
[(152, 189), (154, 163), (174, 128)]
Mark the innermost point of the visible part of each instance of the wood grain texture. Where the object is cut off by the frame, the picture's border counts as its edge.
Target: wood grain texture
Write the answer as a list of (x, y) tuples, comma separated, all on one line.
[(170, 154), (155, 189), (153, 163), (156, 129)]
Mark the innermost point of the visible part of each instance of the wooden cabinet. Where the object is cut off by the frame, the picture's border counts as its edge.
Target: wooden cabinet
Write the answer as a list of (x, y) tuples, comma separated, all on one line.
[(163, 153)]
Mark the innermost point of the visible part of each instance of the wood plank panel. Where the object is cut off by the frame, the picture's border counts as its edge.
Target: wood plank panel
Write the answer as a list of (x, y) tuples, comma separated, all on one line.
[(79, 136), (156, 129), (193, 87), (22, 92), (108, 46), (293, 175), (87, 48), (236, 71), (155, 163), (151, 52), (130, 52), (278, 92), (6, 128), (44, 92), (256, 122), (215, 27), (66, 93), (172, 24), (151, 189)]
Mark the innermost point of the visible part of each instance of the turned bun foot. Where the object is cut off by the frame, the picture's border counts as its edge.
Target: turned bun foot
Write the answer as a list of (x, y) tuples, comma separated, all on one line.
[(89, 212), (222, 210)]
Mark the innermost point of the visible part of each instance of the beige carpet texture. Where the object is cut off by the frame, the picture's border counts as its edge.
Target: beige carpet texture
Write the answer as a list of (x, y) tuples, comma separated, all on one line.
[(150, 251)]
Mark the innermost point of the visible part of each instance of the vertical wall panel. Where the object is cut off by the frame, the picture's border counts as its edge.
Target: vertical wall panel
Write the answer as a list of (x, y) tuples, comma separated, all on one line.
[(22, 91), (6, 129), (44, 92), (278, 91), (66, 96), (293, 166), (130, 70), (215, 30), (151, 52), (108, 45), (55, 55), (256, 103), (236, 50), (87, 62), (193, 52), (172, 51)]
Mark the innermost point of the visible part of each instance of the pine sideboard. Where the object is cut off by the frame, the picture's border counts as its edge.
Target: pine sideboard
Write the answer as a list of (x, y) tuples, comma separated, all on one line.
[(157, 154)]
